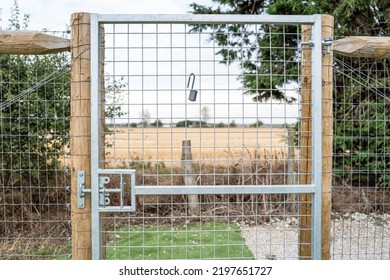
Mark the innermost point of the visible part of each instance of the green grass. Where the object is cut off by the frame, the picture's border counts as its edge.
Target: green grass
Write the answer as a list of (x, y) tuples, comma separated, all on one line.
[(192, 241), (38, 252)]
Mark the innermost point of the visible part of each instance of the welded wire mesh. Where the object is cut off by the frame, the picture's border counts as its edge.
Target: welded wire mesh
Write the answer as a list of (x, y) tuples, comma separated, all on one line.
[(235, 133), (34, 179), (361, 196)]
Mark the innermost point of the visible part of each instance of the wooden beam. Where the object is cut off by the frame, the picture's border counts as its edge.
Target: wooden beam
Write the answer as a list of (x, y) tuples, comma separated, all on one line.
[(31, 42), (327, 136), (80, 134), (306, 143), (363, 46), (188, 177)]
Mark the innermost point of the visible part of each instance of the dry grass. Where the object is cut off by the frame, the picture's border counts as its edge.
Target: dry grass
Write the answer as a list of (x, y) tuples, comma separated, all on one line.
[(212, 145)]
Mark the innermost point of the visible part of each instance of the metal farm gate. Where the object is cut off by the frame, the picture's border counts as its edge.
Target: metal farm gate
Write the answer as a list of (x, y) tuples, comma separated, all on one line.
[(194, 157)]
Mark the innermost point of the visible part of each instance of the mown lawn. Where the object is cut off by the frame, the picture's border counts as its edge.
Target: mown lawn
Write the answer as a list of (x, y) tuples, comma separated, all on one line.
[(191, 241)]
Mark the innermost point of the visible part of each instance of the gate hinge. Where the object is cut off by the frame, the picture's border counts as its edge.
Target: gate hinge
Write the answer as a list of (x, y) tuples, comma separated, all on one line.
[(327, 42), (308, 43), (81, 190)]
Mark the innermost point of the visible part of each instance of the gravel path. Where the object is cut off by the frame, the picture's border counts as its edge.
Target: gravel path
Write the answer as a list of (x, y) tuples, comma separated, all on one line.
[(354, 236)]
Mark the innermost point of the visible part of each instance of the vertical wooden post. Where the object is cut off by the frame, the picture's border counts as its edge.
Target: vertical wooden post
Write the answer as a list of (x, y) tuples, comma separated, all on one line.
[(291, 166), (186, 163), (290, 157), (80, 127), (102, 147), (306, 151), (327, 136), (327, 141)]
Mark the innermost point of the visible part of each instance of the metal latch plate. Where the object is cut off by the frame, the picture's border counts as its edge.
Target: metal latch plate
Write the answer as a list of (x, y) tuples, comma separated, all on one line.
[(81, 190), (117, 190)]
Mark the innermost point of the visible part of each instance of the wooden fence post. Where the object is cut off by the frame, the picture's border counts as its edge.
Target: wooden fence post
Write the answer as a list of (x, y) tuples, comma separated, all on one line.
[(306, 141), (327, 136), (290, 157), (186, 163), (306, 151), (80, 133), (291, 166)]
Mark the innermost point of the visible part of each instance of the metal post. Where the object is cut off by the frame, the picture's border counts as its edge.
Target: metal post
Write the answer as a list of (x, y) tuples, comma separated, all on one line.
[(95, 137), (317, 139)]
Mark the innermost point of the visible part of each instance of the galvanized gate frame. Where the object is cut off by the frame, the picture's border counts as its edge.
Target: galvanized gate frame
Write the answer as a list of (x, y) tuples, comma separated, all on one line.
[(98, 180)]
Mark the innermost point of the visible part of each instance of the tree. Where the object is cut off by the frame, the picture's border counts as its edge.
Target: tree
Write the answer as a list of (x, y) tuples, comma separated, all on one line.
[(190, 123), (113, 98), (233, 124), (352, 17), (157, 123), (184, 123), (221, 125), (35, 112), (145, 117), (257, 124), (205, 113), (34, 115)]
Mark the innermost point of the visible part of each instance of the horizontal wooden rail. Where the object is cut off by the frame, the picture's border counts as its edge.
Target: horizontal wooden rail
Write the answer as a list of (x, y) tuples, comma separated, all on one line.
[(31, 42), (363, 46), (34, 42)]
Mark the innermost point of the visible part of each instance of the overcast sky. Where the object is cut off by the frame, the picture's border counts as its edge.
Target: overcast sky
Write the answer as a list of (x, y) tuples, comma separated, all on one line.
[(55, 14)]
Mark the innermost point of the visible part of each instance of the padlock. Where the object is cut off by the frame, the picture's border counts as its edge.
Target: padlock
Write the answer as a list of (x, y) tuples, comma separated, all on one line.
[(193, 92)]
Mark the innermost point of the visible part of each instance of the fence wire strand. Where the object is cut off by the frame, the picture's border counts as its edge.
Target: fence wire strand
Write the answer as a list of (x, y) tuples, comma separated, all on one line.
[(224, 137), (360, 196), (232, 140), (34, 131)]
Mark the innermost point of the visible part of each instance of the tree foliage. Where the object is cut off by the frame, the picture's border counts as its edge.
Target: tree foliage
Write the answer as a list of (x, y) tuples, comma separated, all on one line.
[(157, 123), (352, 17), (257, 124), (354, 136), (190, 123), (35, 112), (34, 117)]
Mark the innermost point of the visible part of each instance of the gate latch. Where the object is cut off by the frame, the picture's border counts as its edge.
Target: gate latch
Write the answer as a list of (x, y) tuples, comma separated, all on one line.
[(81, 190), (117, 190)]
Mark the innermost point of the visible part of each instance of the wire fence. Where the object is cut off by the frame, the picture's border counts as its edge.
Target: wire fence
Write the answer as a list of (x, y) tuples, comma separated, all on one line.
[(361, 194), (223, 138), (34, 136), (181, 110)]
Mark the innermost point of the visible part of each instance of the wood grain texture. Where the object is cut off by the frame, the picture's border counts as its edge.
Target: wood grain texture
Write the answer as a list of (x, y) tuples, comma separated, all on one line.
[(327, 136), (80, 134), (31, 43), (363, 46), (306, 143)]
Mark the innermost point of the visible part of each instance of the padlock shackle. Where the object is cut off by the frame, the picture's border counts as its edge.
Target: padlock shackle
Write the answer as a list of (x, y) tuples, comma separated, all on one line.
[(189, 80)]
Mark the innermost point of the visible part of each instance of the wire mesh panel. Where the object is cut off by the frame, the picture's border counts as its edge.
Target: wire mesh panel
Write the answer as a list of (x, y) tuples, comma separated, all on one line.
[(185, 112), (34, 125), (361, 205)]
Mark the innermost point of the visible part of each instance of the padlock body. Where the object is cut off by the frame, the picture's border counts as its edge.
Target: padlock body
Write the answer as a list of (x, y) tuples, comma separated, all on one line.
[(193, 94)]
